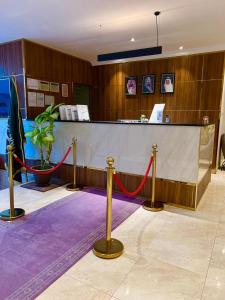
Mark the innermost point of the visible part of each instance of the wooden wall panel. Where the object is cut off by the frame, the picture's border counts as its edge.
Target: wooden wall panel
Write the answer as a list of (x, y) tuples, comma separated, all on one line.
[(198, 89), (188, 68), (81, 71), (211, 94), (213, 66), (11, 59), (44, 63), (11, 63)]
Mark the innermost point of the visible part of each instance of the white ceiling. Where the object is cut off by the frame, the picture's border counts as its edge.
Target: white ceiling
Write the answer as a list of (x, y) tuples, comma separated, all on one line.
[(73, 26)]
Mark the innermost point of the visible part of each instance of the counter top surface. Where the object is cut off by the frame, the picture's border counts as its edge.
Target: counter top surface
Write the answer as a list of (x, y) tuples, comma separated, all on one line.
[(136, 123)]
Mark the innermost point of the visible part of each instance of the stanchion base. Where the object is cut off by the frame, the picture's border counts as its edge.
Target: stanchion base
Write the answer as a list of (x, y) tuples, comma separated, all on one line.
[(71, 187), (108, 249), (5, 215), (156, 206)]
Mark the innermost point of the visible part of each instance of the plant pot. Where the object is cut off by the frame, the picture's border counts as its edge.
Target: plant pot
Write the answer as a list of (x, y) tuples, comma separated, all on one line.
[(42, 179)]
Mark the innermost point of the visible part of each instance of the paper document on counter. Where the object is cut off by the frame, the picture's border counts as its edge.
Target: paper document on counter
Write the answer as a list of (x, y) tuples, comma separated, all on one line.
[(157, 113)]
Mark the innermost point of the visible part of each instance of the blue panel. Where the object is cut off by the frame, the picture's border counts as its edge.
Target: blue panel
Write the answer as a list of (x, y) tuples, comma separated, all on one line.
[(4, 98), (130, 54)]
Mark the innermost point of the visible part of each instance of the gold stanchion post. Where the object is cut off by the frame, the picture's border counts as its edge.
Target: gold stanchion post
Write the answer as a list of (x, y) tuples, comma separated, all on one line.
[(12, 213), (108, 247), (152, 204), (73, 186)]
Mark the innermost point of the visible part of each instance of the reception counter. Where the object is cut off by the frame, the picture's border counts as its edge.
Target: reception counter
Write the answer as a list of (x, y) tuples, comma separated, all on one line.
[(180, 148), (183, 159)]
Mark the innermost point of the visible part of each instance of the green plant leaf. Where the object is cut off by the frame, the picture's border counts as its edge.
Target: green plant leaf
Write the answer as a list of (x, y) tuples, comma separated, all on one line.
[(49, 108), (29, 134), (36, 139), (57, 106), (49, 138), (42, 134), (55, 115)]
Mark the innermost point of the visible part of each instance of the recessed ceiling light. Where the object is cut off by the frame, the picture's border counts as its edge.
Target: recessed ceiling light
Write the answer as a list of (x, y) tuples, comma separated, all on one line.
[(132, 39), (181, 48)]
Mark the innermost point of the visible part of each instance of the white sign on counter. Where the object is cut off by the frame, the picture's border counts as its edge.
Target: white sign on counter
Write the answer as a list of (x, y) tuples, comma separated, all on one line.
[(157, 114), (83, 113)]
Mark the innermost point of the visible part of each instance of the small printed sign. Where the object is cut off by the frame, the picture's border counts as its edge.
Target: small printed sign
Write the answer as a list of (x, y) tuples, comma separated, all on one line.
[(54, 87), (65, 90)]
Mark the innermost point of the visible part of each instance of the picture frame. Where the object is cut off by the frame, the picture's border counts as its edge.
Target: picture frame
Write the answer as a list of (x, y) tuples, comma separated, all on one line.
[(167, 83), (148, 84), (131, 86), (54, 87), (65, 90)]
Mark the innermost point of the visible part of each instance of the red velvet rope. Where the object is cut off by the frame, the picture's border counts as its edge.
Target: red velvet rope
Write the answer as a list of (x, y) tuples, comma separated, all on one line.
[(42, 172), (124, 190)]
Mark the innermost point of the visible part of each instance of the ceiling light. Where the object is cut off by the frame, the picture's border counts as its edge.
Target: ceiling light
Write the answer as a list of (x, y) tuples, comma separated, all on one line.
[(136, 52), (181, 48)]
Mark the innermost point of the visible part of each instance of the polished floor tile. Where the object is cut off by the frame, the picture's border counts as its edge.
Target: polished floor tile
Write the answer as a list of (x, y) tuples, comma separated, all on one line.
[(153, 279), (66, 288), (215, 284), (220, 237), (102, 274), (218, 255), (175, 254)]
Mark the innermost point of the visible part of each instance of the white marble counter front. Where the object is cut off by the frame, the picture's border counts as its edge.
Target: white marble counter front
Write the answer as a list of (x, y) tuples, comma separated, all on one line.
[(130, 145)]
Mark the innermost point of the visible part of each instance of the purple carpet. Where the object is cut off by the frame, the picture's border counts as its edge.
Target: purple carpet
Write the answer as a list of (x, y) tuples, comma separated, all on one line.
[(40, 247)]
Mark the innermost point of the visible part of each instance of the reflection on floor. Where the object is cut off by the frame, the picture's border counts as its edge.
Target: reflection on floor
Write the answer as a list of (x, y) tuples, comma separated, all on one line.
[(170, 255), (4, 183), (3, 180)]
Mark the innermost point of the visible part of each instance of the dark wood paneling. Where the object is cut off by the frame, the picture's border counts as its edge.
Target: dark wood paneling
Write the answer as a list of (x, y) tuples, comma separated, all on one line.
[(11, 58), (47, 64), (192, 90), (44, 63), (11, 63), (213, 66), (211, 94), (198, 89), (188, 68)]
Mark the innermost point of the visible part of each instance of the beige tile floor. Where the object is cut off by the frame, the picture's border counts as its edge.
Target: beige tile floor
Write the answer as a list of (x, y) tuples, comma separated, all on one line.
[(170, 255)]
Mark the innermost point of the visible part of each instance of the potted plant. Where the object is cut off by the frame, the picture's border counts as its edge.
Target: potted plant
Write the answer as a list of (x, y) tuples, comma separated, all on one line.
[(42, 136)]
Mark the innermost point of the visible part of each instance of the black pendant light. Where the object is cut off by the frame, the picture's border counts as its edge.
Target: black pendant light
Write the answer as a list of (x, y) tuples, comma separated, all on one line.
[(134, 53)]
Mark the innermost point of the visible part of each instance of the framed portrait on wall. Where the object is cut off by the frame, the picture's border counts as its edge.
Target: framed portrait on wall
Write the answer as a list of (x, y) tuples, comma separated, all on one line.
[(131, 86), (167, 83), (148, 84)]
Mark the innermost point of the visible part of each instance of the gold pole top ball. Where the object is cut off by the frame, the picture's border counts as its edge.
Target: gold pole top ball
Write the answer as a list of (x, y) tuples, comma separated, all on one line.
[(74, 140), (10, 148), (154, 147), (110, 161)]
